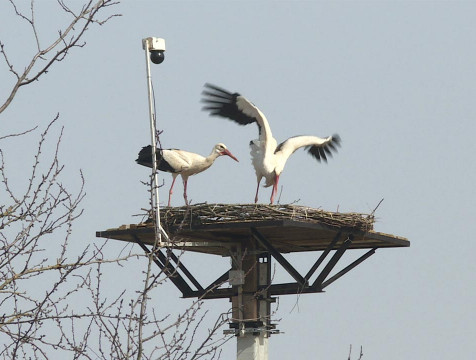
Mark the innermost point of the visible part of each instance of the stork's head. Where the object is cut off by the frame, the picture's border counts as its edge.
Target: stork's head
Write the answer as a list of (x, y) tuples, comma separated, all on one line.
[(221, 149)]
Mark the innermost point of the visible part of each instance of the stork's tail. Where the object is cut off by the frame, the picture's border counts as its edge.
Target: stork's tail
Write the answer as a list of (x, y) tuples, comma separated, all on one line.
[(145, 156)]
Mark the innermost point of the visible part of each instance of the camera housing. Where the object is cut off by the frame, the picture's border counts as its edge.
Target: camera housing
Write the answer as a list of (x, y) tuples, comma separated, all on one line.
[(156, 48), (157, 56)]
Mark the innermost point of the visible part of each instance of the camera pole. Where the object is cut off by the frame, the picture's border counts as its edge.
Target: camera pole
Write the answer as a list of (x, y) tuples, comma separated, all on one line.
[(154, 49)]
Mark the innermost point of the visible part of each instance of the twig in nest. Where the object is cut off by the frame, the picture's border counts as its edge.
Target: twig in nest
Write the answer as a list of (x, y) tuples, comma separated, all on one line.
[(202, 214), (373, 211)]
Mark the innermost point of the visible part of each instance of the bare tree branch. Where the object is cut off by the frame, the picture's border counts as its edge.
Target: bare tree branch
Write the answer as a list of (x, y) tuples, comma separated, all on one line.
[(41, 277), (68, 38), (350, 353)]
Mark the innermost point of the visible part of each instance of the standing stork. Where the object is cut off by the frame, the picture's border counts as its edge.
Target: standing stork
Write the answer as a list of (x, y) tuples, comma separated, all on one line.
[(267, 156), (181, 162)]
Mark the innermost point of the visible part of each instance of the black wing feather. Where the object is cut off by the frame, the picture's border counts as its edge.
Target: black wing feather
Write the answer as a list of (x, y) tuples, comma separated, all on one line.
[(145, 159), (220, 102), (320, 151)]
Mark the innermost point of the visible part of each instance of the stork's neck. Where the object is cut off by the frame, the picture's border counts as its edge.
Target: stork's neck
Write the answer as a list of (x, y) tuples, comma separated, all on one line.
[(211, 158)]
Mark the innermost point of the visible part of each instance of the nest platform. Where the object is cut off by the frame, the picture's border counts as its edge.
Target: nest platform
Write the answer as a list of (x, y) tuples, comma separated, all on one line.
[(216, 228)]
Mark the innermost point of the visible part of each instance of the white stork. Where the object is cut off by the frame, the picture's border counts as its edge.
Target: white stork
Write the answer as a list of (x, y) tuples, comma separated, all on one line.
[(181, 162), (267, 156)]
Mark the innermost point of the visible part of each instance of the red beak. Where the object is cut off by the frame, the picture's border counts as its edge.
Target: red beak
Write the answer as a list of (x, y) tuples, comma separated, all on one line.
[(226, 152)]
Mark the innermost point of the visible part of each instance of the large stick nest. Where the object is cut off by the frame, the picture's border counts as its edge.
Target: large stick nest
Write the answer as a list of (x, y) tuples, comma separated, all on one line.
[(203, 214)]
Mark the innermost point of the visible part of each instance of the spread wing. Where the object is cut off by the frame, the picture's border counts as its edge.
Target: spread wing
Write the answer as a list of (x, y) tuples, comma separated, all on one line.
[(233, 106), (319, 148)]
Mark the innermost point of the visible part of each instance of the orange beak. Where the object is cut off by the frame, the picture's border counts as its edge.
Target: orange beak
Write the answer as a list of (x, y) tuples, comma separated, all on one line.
[(226, 152)]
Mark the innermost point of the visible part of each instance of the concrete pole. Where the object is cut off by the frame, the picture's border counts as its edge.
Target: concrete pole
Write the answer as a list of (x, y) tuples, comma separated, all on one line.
[(250, 312), (251, 347)]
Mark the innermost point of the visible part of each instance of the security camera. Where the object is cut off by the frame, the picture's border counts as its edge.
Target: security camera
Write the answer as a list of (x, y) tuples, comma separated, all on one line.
[(157, 56), (156, 47)]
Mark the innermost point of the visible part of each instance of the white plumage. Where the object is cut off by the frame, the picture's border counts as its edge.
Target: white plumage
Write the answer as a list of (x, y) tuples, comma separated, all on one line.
[(181, 162), (268, 158)]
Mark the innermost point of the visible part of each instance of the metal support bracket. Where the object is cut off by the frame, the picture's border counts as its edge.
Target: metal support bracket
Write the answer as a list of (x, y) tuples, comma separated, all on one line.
[(162, 262), (279, 258), (323, 256), (348, 268), (184, 270), (332, 263), (301, 286)]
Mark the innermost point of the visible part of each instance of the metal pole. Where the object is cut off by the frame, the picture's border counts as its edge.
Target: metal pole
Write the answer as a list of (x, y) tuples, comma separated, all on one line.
[(155, 186)]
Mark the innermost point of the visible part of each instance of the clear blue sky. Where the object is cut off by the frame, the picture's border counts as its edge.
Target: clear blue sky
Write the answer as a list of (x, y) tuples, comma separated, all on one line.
[(395, 79)]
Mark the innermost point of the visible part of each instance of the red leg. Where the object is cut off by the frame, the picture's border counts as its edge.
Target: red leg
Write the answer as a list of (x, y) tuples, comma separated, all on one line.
[(275, 188), (185, 190), (257, 189), (171, 188)]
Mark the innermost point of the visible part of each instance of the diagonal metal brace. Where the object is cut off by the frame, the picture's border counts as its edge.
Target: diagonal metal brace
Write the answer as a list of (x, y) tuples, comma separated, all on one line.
[(323, 256), (185, 271), (348, 268), (279, 258), (161, 261), (217, 282), (332, 263)]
